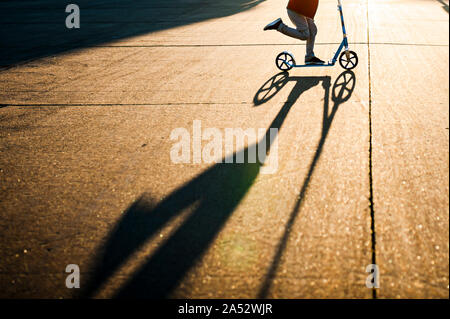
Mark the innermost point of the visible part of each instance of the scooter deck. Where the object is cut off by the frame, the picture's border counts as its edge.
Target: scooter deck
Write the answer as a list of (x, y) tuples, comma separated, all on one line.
[(312, 65)]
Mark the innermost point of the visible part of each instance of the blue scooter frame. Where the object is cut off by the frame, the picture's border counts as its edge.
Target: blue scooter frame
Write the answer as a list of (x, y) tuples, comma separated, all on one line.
[(347, 59)]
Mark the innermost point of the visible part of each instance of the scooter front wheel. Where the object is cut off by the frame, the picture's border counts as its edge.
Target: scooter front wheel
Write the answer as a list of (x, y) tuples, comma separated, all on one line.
[(285, 61), (349, 62)]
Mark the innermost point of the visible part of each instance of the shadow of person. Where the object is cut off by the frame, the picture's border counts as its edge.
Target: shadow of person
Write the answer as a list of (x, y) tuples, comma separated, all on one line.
[(342, 90), (214, 194)]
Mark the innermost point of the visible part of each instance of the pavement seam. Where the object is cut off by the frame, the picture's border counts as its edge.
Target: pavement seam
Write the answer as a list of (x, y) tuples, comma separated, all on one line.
[(371, 204), (123, 104), (227, 45)]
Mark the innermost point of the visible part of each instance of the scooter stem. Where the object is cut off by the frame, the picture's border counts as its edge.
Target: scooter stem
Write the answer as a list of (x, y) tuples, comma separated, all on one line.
[(343, 29)]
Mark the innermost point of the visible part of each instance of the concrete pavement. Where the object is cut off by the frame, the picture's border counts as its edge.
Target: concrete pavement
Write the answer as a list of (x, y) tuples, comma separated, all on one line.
[(87, 178)]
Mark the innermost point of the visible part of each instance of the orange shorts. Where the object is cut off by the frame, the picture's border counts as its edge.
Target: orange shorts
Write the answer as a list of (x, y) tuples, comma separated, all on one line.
[(306, 8)]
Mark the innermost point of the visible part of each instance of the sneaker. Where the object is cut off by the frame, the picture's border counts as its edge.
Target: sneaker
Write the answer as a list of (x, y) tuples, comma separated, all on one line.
[(273, 25), (313, 60)]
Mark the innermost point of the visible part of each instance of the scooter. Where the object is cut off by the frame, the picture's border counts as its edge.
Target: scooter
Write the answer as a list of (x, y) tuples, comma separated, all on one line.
[(347, 59)]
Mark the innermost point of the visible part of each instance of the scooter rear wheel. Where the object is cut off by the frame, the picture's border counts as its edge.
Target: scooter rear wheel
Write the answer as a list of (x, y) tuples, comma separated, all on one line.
[(285, 61), (348, 63)]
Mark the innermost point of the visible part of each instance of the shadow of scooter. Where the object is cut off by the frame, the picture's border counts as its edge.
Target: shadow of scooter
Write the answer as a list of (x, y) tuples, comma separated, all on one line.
[(211, 197)]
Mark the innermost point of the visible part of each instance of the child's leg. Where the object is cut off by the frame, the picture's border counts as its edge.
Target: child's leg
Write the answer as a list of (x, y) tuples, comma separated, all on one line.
[(301, 31), (305, 30), (312, 37)]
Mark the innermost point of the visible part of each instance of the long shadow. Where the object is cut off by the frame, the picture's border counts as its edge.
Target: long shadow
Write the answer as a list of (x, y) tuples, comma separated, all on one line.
[(32, 29), (342, 90), (215, 193)]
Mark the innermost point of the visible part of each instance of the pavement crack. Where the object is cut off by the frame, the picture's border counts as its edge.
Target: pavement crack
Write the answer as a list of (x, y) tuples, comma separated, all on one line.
[(371, 203)]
